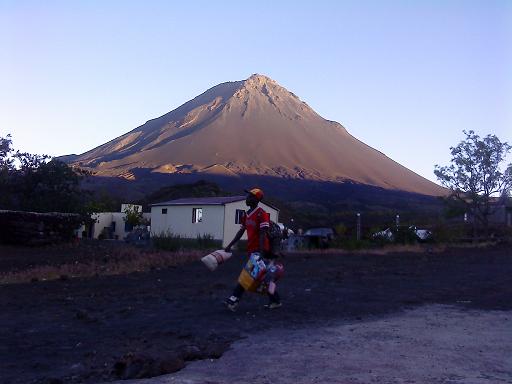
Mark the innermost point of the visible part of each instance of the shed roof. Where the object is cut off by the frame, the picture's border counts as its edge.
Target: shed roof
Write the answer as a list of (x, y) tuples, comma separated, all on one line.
[(219, 200)]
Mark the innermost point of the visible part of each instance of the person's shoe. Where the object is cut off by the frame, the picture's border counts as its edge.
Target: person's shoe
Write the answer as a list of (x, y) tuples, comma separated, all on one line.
[(232, 303), (273, 305)]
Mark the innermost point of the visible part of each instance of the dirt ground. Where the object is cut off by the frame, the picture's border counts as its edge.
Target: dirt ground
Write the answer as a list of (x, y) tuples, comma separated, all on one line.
[(147, 324), (434, 344)]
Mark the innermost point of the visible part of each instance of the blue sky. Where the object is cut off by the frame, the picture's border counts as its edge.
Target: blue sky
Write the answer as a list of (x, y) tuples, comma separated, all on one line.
[(405, 77)]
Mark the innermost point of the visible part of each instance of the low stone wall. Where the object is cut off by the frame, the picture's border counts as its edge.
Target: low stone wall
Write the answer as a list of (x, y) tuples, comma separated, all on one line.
[(32, 228)]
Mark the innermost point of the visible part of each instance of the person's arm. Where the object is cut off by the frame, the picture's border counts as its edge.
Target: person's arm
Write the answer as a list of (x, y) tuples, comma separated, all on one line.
[(237, 237), (263, 236)]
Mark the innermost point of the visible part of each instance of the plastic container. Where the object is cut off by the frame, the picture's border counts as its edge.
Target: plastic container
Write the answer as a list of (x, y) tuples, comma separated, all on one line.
[(214, 259), (253, 273)]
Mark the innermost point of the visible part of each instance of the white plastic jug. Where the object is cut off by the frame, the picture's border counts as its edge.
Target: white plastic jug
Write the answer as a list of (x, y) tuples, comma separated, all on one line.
[(212, 260)]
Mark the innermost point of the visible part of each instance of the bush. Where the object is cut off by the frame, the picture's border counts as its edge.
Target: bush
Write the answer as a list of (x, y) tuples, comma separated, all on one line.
[(354, 244), (451, 233), (92, 258), (172, 242), (405, 235), (31, 228), (463, 233), (206, 241), (340, 230)]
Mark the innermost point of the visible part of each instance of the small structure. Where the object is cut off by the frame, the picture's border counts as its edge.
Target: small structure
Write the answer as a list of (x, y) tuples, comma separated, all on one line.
[(218, 217), (112, 225), (294, 242), (501, 214), (386, 234), (319, 237)]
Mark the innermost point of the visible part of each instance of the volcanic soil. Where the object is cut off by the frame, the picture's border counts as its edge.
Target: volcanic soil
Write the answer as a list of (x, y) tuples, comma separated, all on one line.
[(145, 324)]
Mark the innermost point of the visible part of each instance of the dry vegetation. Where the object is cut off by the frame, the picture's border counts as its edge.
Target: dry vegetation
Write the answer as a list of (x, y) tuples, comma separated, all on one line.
[(413, 249), (111, 260), (382, 250), (101, 259)]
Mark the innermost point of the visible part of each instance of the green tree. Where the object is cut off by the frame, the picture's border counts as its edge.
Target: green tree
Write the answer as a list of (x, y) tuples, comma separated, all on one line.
[(52, 187), (32, 183), (133, 215), (475, 175), (5, 153), (6, 167)]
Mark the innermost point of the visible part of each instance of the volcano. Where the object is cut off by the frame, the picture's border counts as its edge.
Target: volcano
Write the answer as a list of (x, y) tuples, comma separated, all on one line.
[(243, 129)]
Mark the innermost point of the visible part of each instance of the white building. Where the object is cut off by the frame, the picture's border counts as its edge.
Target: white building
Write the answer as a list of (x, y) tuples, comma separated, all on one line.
[(112, 225), (192, 217)]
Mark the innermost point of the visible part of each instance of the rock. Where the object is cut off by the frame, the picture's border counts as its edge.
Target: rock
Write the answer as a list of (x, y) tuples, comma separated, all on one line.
[(130, 366), (54, 381), (192, 352), (85, 316), (139, 366), (76, 368), (215, 350), (171, 364)]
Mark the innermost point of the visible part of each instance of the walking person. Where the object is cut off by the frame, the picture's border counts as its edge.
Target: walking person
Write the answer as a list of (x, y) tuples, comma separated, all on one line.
[(262, 270)]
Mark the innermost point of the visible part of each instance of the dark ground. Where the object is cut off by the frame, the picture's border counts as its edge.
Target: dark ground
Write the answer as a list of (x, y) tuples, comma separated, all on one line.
[(144, 324)]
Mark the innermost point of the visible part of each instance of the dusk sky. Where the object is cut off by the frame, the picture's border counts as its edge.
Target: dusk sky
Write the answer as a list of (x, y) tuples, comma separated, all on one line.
[(405, 77)]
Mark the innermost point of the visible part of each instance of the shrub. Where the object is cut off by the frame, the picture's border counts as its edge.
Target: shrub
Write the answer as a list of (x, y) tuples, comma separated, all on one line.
[(340, 230), (206, 241), (451, 233), (354, 244), (31, 228), (173, 242), (107, 261), (405, 235)]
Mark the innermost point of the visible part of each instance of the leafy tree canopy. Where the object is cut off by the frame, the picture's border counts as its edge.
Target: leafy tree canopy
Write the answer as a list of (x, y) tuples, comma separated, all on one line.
[(133, 215), (32, 182), (476, 173)]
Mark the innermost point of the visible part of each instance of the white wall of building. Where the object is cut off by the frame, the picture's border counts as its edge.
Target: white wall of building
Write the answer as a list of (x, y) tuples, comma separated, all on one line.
[(105, 219), (102, 220), (217, 220), (178, 221)]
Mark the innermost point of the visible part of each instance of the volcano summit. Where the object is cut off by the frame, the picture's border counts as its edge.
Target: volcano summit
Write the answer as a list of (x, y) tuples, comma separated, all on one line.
[(245, 129)]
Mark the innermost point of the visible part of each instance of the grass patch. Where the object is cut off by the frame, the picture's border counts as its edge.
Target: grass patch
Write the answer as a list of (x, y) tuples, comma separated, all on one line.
[(382, 250), (118, 261), (172, 242)]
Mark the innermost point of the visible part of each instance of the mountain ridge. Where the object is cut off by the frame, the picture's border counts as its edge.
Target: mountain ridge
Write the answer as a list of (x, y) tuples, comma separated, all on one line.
[(250, 127)]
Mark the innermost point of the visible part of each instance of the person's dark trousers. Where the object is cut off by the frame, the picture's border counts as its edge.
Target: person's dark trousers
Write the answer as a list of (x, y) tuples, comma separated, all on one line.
[(238, 291), (274, 298)]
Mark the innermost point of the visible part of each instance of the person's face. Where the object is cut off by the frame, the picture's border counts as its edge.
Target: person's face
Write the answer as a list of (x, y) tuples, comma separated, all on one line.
[(251, 200)]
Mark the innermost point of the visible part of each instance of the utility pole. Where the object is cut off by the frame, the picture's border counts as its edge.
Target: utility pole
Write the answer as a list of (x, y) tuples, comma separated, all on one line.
[(358, 226)]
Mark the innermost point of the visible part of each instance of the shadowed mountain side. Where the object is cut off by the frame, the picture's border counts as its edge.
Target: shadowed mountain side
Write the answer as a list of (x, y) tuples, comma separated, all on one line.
[(295, 191), (251, 127)]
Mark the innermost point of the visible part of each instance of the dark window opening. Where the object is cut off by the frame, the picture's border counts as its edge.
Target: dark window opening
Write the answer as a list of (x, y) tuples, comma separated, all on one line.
[(238, 216), (197, 215)]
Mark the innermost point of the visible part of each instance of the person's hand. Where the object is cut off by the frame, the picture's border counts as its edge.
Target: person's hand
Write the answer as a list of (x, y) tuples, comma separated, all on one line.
[(256, 255), (228, 249)]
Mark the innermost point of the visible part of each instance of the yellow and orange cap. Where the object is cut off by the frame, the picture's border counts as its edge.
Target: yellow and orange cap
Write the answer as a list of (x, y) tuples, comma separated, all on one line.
[(256, 192)]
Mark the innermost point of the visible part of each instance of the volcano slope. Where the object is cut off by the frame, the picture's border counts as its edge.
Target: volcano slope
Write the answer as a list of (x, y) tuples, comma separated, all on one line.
[(237, 132), (144, 324)]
